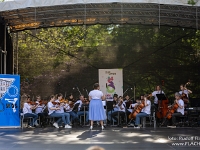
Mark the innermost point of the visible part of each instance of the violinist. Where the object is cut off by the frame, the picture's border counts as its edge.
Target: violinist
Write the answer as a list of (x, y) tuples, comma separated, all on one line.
[(69, 109), (27, 111), (157, 91), (40, 106), (146, 111), (81, 112), (52, 112), (179, 110), (121, 110), (61, 102), (115, 101)]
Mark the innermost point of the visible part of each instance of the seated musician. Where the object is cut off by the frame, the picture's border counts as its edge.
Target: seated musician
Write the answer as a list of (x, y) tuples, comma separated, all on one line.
[(121, 110), (115, 108), (146, 111), (179, 110), (28, 106), (69, 109), (52, 107), (80, 111), (40, 106), (61, 110)]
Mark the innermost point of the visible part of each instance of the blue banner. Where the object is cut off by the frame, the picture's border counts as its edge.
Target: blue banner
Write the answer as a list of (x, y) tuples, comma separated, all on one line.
[(9, 100)]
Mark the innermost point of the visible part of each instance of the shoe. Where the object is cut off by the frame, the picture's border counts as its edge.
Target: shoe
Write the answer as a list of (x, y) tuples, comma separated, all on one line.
[(91, 127), (132, 125), (102, 127), (31, 127), (137, 127), (56, 125), (68, 126), (36, 124)]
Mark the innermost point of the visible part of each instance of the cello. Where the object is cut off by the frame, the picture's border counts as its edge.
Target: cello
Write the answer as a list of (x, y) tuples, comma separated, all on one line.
[(170, 111), (137, 110)]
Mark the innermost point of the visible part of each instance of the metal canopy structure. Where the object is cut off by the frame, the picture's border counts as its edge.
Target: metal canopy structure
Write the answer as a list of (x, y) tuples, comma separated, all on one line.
[(157, 14)]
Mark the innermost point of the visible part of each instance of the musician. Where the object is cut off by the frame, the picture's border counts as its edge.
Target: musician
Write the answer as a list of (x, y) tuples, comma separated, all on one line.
[(69, 110), (115, 108), (61, 110), (52, 112), (96, 109), (157, 91), (39, 110), (71, 98), (146, 111), (121, 110), (180, 109), (126, 98), (81, 112), (27, 111), (183, 89)]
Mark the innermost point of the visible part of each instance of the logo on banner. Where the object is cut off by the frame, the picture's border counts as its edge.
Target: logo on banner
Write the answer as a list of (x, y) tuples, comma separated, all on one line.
[(6, 87), (110, 85)]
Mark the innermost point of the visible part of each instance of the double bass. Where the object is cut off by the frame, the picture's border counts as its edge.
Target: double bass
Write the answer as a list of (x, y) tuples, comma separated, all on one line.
[(162, 107)]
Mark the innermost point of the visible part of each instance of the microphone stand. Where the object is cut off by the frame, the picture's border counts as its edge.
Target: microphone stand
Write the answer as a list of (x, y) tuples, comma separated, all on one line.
[(78, 90), (125, 91)]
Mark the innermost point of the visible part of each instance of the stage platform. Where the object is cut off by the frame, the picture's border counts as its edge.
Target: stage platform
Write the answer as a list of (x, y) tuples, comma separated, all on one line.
[(112, 138)]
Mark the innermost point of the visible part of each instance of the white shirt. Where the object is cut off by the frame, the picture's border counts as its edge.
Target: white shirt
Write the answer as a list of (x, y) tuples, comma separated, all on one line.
[(181, 110), (68, 108), (122, 106), (27, 108), (80, 103), (147, 109), (185, 91), (133, 105), (50, 105), (96, 94), (39, 108), (155, 97)]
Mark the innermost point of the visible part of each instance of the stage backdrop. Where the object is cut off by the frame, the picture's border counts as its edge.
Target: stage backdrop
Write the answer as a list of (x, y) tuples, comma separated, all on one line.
[(111, 82), (9, 101)]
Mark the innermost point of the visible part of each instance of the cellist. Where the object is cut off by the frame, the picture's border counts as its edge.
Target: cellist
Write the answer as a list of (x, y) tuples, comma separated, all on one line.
[(179, 110), (144, 112)]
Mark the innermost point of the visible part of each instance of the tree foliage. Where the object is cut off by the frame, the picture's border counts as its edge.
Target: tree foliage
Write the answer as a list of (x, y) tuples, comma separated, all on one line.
[(148, 55)]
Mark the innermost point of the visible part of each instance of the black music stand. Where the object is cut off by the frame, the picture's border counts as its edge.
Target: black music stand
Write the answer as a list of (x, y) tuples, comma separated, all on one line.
[(161, 97), (76, 107)]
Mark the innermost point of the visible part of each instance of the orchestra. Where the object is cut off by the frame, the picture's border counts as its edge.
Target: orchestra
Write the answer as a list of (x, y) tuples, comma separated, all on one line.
[(71, 111)]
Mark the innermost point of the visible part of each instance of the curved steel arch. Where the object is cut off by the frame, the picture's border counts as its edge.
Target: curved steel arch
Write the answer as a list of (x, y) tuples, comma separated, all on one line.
[(103, 13)]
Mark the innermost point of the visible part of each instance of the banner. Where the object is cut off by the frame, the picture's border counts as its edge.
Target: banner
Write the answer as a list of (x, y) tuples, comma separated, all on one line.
[(111, 82), (9, 100)]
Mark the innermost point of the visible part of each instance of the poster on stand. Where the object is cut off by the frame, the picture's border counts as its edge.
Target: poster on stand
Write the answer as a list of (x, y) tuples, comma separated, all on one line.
[(111, 82), (9, 101)]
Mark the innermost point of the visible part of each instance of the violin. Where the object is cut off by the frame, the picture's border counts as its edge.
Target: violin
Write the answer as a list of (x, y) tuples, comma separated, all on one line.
[(56, 103), (32, 103), (64, 101)]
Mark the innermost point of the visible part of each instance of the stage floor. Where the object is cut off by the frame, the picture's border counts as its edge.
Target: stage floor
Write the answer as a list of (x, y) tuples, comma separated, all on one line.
[(112, 138)]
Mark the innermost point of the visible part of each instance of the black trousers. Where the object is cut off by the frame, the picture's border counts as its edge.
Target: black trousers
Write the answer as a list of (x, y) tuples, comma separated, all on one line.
[(114, 115), (174, 115)]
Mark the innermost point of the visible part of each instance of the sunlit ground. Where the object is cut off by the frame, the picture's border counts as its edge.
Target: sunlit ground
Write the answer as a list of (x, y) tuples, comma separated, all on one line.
[(81, 138)]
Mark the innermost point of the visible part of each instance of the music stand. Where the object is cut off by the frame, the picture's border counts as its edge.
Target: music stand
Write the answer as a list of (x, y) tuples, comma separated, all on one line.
[(76, 107), (161, 96)]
